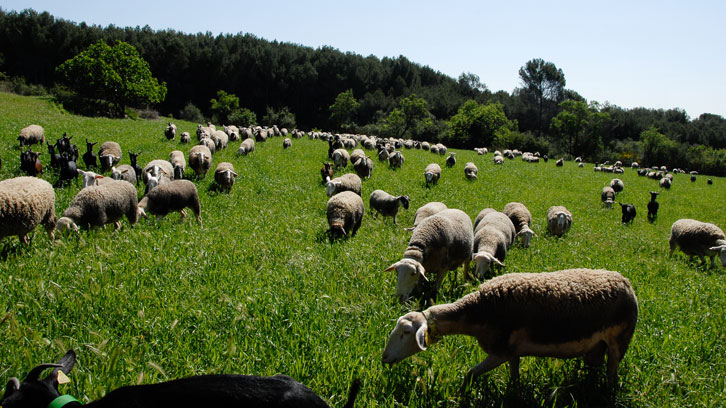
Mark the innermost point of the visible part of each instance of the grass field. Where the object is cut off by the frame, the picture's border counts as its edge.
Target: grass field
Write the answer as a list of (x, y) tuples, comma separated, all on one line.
[(260, 290)]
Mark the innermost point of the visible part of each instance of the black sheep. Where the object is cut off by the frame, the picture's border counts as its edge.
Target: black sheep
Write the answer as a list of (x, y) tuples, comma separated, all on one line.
[(653, 206), (628, 212)]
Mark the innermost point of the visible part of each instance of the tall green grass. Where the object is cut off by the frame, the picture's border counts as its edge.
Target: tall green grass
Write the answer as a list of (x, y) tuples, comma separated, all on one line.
[(259, 289)]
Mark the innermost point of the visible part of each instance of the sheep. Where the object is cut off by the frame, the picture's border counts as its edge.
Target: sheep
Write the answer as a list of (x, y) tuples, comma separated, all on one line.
[(493, 236), (286, 143), (470, 171), (345, 214), (232, 131), (220, 140), (559, 220), (426, 211), (563, 314), (425, 145), (607, 196), (442, 242), (124, 172), (386, 204), (227, 390), (200, 159), (156, 167), (559, 163), (26, 202), (653, 206), (628, 213), (178, 163), (693, 177), (203, 131), (396, 160), (617, 185), (209, 143), (709, 182), (696, 238), (224, 175), (357, 154), (185, 138), (383, 155), (109, 155), (340, 158), (363, 167), (31, 135), (247, 147), (665, 182), (634, 165), (99, 205), (441, 148), (170, 131), (326, 172), (483, 213), (508, 154), (498, 159), (522, 220), (451, 160), (173, 196), (346, 182), (432, 173)]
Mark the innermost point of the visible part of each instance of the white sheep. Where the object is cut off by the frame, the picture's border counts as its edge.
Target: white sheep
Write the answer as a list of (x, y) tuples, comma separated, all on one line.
[(224, 175), (696, 238), (470, 171), (442, 242), (493, 236), (26, 202), (483, 213), (617, 185), (157, 172), (173, 196), (200, 159), (563, 314), (432, 173), (286, 143), (247, 146), (109, 154), (363, 167), (451, 160), (170, 131), (498, 159), (441, 149), (232, 132), (346, 182), (340, 158), (522, 220), (357, 154), (31, 135), (124, 172), (185, 137), (345, 214), (220, 140), (559, 220), (396, 160), (209, 143), (387, 204), (426, 211), (98, 205), (425, 145), (607, 196), (178, 163)]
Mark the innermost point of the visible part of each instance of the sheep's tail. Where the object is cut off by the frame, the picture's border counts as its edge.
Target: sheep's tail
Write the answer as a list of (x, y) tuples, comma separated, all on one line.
[(353, 393)]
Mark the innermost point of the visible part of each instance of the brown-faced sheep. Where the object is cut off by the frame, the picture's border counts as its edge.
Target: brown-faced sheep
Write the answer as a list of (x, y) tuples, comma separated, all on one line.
[(432, 173), (200, 160), (224, 175), (607, 196)]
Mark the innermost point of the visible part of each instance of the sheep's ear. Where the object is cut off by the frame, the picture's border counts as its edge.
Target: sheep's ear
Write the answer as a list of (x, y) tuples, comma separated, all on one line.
[(65, 364), (392, 267), (80, 172), (12, 386), (718, 248), (421, 335), (422, 272)]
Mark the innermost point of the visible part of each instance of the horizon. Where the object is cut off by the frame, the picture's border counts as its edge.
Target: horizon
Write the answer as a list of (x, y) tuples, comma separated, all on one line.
[(631, 56)]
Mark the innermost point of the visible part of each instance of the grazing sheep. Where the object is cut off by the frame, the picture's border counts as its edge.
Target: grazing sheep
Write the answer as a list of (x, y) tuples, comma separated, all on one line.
[(432, 173), (383, 155), (220, 140), (653, 206), (26, 202), (696, 238), (442, 242), (197, 391), (441, 148), (559, 163), (617, 185), (709, 182), (607, 196), (247, 146), (498, 159), (109, 155), (124, 172), (200, 159), (286, 143), (451, 160), (185, 138), (156, 167), (386, 204), (396, 160), (357, 154), (203, 131), (425, 145), (178, 163), (559, 220), (693, 177), (209, 143), (232, 132), (483, 213), (522, 220), (634, 165), (628, 213), (363, 167), (345, 214), (346, 182), (563, 314), (170, 131), (224, 175), (31, 135), (665, 182), (326, 172), (493, 236), (426, 211), (470, 171), (173, 196), (340, 158), (99, 205)]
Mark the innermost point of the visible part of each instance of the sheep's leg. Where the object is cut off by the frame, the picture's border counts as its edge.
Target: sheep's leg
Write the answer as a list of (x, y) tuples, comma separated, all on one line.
[(489, 363), (394, 219), (117, 225), (614, 357), (712, 261), (703, 260), (183, 213), (514, 369), (24, 239)]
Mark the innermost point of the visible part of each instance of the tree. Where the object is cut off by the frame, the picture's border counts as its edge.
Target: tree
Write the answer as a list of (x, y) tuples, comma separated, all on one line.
[(657, 147), (343, 109), (243, 117), (283, 118), (579, 126), (223, 106), (543, 85), (471, 86), (477, 125), (410, 115), (117, 74)]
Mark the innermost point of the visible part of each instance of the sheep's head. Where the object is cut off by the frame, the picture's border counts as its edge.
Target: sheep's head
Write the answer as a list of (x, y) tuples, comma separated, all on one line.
[(404, 200), (89, 177), (407, 338), (106, 162), (484, 261), (429, 177), (721, 250), (331, 187), (409, 273), (65, 225), (525, 234), (34, 392)]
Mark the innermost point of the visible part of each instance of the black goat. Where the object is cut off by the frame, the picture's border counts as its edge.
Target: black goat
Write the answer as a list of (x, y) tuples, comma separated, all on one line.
[(628, 212), (653, 206), (30, 162), (89, 158), (68, 169), (137, 168), (326, 172), (197, 391), (54, 157)]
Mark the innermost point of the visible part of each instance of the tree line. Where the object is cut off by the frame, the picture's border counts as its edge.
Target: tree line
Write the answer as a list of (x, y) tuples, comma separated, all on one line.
[(244, 78)]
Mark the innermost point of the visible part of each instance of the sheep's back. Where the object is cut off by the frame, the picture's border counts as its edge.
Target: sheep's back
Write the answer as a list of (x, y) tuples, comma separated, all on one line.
[(25, 202), (695, 237)]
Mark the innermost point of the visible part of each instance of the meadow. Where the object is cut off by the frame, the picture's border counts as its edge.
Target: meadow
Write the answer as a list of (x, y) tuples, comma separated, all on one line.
[(259, 289)]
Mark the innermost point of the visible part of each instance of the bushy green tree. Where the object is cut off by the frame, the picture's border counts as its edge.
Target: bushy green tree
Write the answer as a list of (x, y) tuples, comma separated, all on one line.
[(115, 73), (476, 125), (657, 147), (343, 109), (243, 117), (191, 113), (543, 87), (579, 127), (283, 118), (411, 115), (223, 106)]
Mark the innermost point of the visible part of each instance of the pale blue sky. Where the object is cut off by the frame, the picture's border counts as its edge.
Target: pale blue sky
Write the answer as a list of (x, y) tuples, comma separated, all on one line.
[(656, 54)]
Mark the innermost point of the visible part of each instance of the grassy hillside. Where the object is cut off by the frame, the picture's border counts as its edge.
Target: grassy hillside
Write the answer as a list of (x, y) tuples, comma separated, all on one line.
[(260, 290)]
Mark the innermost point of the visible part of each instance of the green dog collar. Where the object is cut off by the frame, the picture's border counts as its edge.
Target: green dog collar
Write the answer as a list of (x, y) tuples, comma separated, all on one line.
[(62, 401)]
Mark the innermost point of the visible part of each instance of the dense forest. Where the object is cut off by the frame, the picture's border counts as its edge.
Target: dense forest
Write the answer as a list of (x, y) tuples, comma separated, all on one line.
[(388, 96)]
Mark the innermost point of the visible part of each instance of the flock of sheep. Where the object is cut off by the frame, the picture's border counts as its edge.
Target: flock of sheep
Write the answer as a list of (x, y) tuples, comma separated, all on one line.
[(570, 313)]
